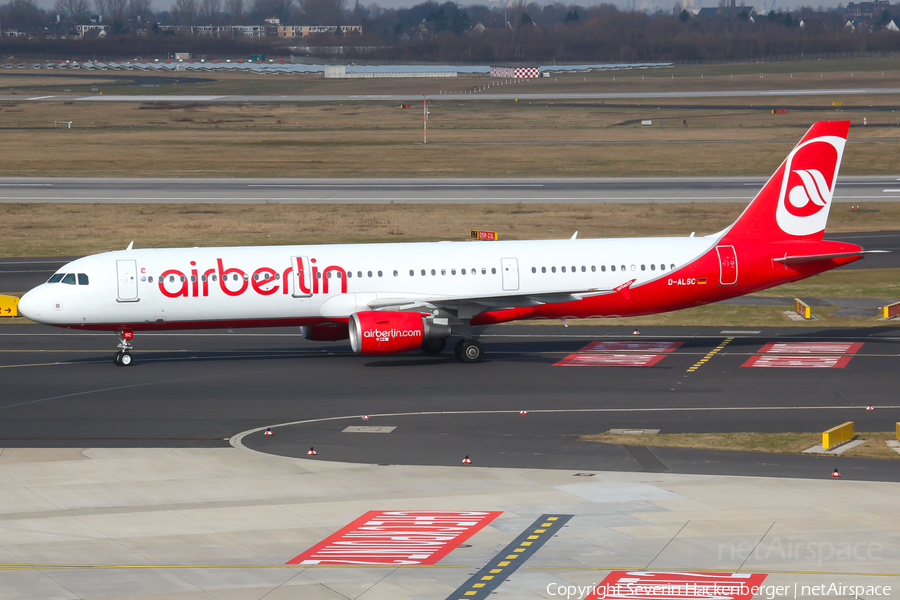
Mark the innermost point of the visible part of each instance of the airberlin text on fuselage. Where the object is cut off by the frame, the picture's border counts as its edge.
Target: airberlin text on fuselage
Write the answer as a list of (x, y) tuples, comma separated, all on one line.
[(265, 281)]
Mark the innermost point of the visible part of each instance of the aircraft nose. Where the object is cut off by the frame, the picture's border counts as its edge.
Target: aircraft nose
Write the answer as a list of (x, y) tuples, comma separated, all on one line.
[(29, 305)]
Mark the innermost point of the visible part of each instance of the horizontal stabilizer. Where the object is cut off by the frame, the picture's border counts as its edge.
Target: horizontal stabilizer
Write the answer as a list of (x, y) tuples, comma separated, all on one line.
[(814, 257)]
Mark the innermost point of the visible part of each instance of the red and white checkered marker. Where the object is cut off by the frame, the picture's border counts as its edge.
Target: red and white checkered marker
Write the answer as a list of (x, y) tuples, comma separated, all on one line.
[(836, 474), (869, 407), (311, 452), (268, 432), (523, 412), (365, 417), (467, 460)]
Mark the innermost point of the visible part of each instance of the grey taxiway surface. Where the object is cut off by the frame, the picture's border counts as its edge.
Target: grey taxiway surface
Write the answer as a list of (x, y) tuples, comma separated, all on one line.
[(458, 191), (521, 94), (199, 389)]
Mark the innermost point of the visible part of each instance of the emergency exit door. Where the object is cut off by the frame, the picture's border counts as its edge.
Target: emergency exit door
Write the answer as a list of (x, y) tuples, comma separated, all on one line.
[(728, 267), (126, 273), (510, 269)]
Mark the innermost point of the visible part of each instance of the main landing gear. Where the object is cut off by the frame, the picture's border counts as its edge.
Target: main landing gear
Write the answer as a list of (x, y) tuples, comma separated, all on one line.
[(123, 357), (469, 351)]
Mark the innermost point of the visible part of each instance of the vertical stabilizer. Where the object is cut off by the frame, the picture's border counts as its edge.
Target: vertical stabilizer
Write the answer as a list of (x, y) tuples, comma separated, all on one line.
[(795, 202)]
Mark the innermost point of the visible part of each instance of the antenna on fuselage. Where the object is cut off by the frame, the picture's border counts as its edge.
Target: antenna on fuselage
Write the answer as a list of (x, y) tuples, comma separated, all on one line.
[(130, 246), (574, 235)]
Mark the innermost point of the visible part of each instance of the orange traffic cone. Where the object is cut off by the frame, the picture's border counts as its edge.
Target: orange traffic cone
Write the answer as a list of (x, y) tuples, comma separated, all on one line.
[(268, 432), (836, 474), (523, 412), (311, 452), (365, 417), (467, 460)]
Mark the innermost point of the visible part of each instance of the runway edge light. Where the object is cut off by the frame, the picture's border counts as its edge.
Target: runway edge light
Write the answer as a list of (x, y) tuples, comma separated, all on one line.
[(311, 452), (268, 432), (836, 474), (467, 460)]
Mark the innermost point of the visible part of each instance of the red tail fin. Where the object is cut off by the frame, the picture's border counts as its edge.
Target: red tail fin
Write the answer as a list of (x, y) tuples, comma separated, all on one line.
[(794, 203)]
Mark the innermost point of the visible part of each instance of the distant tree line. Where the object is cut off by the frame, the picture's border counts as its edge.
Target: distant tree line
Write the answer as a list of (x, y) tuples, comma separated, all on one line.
[(448, 32)]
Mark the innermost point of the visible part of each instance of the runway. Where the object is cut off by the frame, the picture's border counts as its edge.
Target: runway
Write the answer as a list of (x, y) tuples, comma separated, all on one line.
[(420, 191), (482, 96), (200, 389)]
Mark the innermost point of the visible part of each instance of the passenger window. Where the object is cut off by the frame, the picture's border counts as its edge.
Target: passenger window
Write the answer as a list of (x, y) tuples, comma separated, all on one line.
[(194, 278), (474, 271), (662, 267), (359, 274), (236, 276), (150, 279), (172, 278), (370, 273), (396, 273), (594, 268), (380, 273), (602, 268), (246, 277), (463, 272), (612, 268), (563, 269), (643, 268), (623, 268), (423, 272), (202, 278), (412, 273), (483, 271), (336, 274), (328, 274), (182, 279), (215, 278), (534, 269), (553, 269), (493, 271), (443, 271), (574, 269), (69, 279), (318, 276), (349, 275), (433, 272), (652, 267), (583, 269), (672, 266), (453, 271), (255, 277), (543, 269), (56, 278)]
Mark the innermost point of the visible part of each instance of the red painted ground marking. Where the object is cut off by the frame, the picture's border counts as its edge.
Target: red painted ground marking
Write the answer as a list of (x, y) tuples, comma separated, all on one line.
[(396, 538), (811, 348), (798, 362), (610, 360), (646, 347), (659, 585)]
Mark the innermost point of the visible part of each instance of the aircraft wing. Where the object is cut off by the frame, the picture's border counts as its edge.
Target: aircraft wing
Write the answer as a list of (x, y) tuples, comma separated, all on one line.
[(487, 302)]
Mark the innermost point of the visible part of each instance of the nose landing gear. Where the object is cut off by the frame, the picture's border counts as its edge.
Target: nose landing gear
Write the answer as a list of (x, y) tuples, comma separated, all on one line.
[(123, 358)]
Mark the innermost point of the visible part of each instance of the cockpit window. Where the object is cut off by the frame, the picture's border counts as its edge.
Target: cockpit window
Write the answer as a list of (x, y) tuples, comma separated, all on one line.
[(69, 278), (82, 279), (56, 278)]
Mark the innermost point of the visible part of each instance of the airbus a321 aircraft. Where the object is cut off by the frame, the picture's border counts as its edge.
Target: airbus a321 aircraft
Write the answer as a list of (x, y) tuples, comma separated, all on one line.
[(392, 298)]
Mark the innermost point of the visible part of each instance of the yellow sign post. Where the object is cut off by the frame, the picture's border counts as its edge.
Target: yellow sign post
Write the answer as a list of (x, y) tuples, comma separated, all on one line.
[(9, 306)]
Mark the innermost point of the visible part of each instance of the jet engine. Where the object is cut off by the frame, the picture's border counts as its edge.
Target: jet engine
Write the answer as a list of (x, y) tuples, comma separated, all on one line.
[(376, 332)]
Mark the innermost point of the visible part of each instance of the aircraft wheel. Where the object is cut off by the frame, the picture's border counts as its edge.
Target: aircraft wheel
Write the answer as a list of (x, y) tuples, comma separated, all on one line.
[(124, 359), (457, 349), (434, 346), (118, 359), (470, 351)]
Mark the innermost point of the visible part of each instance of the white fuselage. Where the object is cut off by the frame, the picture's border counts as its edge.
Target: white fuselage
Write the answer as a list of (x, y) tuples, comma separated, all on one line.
[(213, 285)]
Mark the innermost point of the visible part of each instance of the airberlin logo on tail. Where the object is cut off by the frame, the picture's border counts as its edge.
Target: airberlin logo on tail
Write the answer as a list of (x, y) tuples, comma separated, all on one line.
[(807, 186)]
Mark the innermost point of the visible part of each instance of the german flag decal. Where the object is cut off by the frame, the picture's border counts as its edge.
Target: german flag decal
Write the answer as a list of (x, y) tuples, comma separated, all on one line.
[(701, 281)]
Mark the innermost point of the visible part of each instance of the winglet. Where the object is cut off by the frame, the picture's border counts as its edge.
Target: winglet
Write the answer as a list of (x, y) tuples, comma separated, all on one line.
[(130, 246), (625, 289)]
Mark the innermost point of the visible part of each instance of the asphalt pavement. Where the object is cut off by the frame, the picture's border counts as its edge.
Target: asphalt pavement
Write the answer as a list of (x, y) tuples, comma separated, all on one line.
[(850, 189), (200, 389)]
